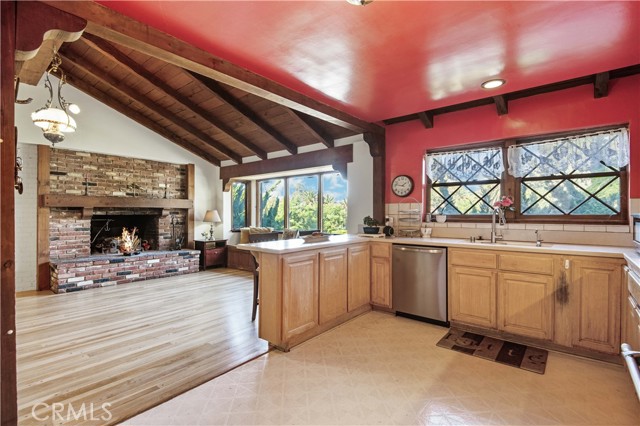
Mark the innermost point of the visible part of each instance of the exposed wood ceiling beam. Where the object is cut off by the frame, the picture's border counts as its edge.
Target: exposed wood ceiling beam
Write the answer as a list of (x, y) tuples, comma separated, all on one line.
[(115, 27), (116, 55), (502, 105), (40, 31), (533, 91), (336, 157), (601, 85), (314, 130), (131, 96), (139, 118), (219, 91), (426, 117)]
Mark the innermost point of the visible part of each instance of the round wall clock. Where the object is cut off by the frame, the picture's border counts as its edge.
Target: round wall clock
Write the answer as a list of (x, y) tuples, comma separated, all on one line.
[(402, 185)]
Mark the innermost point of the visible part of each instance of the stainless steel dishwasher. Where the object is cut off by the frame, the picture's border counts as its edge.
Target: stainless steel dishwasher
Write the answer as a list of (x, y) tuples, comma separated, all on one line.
[(420, 283)]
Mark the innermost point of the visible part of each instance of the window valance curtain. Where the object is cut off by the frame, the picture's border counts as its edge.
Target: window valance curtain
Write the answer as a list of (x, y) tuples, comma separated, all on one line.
[(461, 166), (562, 155)]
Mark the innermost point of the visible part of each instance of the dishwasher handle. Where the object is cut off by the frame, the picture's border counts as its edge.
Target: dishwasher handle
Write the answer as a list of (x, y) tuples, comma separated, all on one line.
[(420, 250)]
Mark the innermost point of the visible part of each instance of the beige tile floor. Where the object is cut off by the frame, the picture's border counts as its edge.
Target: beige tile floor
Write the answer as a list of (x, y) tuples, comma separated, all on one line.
[(381, 370)]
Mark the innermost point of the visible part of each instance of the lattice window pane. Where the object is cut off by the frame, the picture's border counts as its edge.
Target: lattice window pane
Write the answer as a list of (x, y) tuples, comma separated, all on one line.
[(476, 178)]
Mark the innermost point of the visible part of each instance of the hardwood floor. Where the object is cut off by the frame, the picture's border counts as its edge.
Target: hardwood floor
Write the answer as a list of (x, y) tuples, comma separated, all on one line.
[(115, 352)]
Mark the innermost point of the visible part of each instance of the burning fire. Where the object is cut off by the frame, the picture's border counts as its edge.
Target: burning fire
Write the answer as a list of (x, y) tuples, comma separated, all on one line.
[(129, 242)]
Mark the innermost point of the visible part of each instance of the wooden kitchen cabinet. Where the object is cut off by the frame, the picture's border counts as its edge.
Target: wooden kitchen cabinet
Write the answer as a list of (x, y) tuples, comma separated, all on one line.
[(472, 295), (304, 293), (381, 275), (299, 293), (595, 293), (526, 304), (359, 277), (212, 253), (332, 284), (630, 309)]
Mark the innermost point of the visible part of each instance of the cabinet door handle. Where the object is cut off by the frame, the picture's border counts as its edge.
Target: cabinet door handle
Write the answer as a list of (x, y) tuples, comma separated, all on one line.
[(566, 264)]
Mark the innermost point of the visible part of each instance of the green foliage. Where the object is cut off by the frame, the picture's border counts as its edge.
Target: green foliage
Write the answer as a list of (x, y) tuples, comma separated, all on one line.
[(369, 221), (238, 203), (303, 208), (272, 214), (334, 215)]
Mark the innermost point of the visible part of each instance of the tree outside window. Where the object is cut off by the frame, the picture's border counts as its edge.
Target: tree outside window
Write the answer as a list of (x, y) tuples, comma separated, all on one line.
[(272, 203), (312, 202), (239, 204)]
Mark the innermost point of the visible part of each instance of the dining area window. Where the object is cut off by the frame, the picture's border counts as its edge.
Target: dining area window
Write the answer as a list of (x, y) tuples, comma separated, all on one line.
[(307, 202)]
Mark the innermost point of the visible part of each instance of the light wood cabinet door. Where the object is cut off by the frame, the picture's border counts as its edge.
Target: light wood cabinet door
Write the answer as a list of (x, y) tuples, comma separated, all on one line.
[(332, 293), (359, 276), (381, 281), (472, 293), (299, 293), (596, 288), (631, 322), (525, 304)]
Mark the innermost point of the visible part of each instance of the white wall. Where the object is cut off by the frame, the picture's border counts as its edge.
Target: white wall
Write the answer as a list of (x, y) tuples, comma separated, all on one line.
[(26, 220), (360, 186), (103, 130)]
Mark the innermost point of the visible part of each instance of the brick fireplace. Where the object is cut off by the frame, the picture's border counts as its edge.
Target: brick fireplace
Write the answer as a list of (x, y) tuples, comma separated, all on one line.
[(79, 192)]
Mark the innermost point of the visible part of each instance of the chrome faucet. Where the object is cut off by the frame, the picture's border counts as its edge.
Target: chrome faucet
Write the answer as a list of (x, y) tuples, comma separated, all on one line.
[(538, 239), (501, 221)]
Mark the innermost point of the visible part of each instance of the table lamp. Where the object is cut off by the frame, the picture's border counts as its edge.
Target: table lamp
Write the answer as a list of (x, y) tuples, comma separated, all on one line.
[(212, 217)]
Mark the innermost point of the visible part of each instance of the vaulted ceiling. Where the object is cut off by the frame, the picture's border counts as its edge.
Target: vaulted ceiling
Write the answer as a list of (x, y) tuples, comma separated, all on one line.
[(311, 72), (211, 119)]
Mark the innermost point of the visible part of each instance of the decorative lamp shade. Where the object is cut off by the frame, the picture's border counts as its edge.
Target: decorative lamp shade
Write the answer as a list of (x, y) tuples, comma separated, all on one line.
[(54, 122), (212, 216)]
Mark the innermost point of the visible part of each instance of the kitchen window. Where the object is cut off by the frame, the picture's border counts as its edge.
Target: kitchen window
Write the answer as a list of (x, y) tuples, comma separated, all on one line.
[(568, 178), (464, 183), (306, 202)]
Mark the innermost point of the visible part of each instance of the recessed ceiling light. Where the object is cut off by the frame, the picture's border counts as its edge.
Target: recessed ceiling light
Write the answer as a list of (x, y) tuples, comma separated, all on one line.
[(359, 2), (492, 84)]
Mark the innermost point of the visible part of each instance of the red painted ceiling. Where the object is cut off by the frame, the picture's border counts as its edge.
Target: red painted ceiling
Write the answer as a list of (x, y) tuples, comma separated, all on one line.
[(391, 58)]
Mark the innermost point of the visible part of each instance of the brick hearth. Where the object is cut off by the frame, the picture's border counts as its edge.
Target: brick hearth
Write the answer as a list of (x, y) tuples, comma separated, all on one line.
[(103, 270)]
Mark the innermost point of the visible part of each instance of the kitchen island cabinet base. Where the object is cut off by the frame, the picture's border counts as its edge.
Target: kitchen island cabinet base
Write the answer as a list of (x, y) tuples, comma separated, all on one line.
[(296, 301), (537, 343), (309, 334)]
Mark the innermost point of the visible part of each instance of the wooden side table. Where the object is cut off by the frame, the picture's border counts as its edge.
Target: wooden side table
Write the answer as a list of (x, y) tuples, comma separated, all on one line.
[(212, 253)]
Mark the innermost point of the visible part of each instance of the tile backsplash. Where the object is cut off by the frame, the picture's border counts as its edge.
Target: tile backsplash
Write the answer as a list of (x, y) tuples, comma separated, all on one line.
[(609, 235)]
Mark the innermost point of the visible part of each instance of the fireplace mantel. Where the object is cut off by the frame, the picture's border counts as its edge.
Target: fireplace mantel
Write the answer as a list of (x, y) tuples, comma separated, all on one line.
[(88, 201)]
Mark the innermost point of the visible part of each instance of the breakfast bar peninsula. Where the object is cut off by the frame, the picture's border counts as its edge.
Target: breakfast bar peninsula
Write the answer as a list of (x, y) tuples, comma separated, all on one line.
[(309, 286)]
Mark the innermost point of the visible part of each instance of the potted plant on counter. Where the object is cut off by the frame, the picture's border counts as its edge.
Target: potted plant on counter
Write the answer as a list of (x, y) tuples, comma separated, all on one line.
[(371, 226)]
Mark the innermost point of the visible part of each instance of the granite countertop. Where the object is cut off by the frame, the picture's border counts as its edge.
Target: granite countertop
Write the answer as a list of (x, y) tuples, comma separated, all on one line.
[(290, 246), (100, 257)]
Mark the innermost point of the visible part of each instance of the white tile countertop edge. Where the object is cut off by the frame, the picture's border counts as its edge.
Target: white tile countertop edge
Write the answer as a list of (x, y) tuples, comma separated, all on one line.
[(290, 246)]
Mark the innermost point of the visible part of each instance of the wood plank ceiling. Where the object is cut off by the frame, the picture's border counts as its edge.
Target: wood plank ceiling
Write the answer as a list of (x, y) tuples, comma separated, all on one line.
[(210, 119)]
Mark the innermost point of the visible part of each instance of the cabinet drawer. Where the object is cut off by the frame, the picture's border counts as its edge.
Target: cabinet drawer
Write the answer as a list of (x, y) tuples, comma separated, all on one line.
[(474, 258), (380, 250), (213, 255), (526, 263)]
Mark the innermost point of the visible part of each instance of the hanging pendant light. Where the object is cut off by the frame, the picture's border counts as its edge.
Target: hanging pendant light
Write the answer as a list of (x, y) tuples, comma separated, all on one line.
[(54, 119), (359, 2)]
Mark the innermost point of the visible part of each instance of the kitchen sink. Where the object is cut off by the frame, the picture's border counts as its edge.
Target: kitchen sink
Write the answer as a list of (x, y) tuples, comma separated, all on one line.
[(515, 243)]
